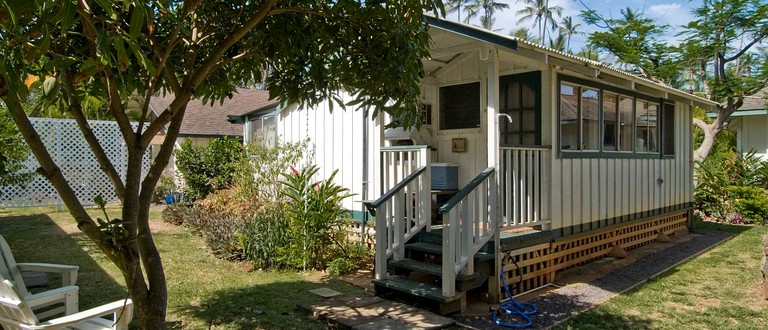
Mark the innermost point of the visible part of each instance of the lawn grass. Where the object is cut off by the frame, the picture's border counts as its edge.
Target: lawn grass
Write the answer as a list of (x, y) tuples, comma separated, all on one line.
[(204, 292), (717, 290)]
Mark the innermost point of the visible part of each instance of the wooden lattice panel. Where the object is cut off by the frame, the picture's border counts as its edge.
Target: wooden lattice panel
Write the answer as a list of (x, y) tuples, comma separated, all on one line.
[(537, 265), (66, 144), (527, 268)]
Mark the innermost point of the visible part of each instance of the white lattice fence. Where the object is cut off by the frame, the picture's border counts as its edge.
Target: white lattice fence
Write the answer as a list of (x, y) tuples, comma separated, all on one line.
[(68, 148)]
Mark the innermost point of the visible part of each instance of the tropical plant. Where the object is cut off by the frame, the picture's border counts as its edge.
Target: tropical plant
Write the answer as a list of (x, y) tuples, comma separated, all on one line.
[(315, 218), (568, 29), (259, 175), (457, 6), (542, 15), (488, 9), (717, 174), (114, 50), (524, 34)]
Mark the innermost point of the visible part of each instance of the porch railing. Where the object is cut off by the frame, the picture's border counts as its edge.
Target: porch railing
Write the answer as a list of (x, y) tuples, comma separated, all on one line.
[(469, 221), (404, 208), (524, 182)]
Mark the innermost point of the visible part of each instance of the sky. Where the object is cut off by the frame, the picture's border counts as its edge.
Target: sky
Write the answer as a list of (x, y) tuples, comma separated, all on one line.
[(673, 13)]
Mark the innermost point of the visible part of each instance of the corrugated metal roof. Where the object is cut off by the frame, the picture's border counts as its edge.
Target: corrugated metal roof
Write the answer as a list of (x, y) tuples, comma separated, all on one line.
[(493, 38)]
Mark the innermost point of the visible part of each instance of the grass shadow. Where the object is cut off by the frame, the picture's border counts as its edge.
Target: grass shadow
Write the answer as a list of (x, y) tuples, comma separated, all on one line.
[(39, 238), (262, 306)]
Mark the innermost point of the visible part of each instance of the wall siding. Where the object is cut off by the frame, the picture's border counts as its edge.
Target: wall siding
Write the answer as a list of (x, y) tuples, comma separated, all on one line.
[(336, 139)]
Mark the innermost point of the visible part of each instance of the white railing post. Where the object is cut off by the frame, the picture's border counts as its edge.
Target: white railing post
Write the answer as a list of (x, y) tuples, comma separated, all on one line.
[(425, 189), (450, 226), (382, 234)]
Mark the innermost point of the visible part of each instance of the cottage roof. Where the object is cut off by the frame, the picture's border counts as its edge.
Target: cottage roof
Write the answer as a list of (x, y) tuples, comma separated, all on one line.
[(446, 50), (205, 119)]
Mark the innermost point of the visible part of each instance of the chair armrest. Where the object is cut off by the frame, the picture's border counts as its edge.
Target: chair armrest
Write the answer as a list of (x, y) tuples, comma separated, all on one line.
[(46, 297), (68, 272), (112, 308)]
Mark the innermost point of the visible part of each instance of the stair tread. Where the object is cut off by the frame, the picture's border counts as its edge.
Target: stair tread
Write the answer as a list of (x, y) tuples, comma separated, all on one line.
[(426, 267), (417, 289), (438, 250)]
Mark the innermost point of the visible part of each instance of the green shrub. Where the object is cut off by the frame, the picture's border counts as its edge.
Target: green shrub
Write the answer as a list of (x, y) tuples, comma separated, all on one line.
[(175, 214), (718, 172), (231, 202), (262, 238), (259, 175), (210, 167), (357, 256), (315, 219), (750, 202)]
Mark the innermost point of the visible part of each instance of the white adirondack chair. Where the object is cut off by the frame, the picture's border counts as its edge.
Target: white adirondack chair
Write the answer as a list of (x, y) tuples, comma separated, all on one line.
[(15, 313), (65, 298)]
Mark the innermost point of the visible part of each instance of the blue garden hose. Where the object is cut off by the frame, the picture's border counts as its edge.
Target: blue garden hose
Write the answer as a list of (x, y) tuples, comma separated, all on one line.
[(511, 307)]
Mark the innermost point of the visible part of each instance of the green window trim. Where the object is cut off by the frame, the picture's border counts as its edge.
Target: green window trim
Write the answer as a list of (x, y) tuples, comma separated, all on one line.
[(660, 126)]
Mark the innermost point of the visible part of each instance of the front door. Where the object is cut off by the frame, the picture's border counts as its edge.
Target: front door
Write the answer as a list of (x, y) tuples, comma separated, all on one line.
[(520, 98)]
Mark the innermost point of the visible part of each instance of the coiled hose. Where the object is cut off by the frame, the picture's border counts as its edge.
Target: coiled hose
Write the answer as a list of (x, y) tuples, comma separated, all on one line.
[(511, 307)]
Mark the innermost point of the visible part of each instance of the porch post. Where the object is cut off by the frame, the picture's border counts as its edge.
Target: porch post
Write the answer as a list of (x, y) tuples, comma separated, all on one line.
[(492, 131)]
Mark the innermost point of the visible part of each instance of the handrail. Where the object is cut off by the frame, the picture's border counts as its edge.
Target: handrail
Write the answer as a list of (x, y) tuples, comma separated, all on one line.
[(399, 186), (544, 147), (451, 203)]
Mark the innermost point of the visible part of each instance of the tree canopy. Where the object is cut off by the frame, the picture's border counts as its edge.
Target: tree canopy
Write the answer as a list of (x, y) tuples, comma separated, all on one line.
[(717, 59), (125, 52)]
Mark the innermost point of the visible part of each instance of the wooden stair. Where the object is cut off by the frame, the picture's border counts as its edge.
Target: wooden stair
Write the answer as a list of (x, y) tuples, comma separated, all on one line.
[(416, 279)]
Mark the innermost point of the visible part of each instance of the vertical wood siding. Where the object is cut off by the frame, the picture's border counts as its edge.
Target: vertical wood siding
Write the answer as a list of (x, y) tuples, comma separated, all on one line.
[(336, 139)]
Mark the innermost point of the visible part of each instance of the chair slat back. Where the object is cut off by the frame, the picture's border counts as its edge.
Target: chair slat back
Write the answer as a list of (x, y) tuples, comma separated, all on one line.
[(12, 306), (8, 267)]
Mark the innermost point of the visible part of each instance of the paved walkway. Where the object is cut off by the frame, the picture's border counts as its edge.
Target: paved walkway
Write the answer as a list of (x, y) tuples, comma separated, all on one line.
[(362, 311)]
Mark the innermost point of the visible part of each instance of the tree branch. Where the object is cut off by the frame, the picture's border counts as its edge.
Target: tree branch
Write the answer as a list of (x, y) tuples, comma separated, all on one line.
[(206, 67), (51, 171), (101, 156), (754, 41)]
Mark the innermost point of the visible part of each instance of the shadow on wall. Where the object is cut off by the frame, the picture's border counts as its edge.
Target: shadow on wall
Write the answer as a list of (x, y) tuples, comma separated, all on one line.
[(38, 238)]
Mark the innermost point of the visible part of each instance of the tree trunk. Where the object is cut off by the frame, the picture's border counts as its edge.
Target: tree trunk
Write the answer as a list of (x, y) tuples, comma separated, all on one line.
[(710, 134)]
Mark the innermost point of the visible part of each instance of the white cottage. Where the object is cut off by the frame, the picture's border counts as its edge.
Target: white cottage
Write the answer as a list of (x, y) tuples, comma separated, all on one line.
[(560, 160)]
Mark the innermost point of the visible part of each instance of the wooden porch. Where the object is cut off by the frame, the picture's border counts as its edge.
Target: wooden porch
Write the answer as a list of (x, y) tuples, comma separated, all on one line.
[(498, 222)]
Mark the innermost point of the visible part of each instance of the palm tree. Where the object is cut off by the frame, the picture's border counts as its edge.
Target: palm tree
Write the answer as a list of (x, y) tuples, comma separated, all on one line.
[(489, 8), (524, 34), (568, 29), (558, 43), (589, 52), (456, 6), (542, 15)]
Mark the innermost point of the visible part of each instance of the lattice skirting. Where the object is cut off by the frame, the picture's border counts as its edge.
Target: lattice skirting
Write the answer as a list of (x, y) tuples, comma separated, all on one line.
[(535, 266)]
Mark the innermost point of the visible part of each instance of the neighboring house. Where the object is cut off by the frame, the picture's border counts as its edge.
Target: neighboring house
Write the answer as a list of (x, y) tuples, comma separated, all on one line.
[(205, 121), (560, 160), (750, 122)]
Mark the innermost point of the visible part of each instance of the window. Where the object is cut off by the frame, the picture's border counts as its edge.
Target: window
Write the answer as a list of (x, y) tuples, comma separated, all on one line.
[(264, 129), (579, 117), (646, 126), (460, 106), (603, 121)]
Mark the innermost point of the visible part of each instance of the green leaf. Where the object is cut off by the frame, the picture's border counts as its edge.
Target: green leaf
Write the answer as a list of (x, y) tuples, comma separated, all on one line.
[(137, 22)]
